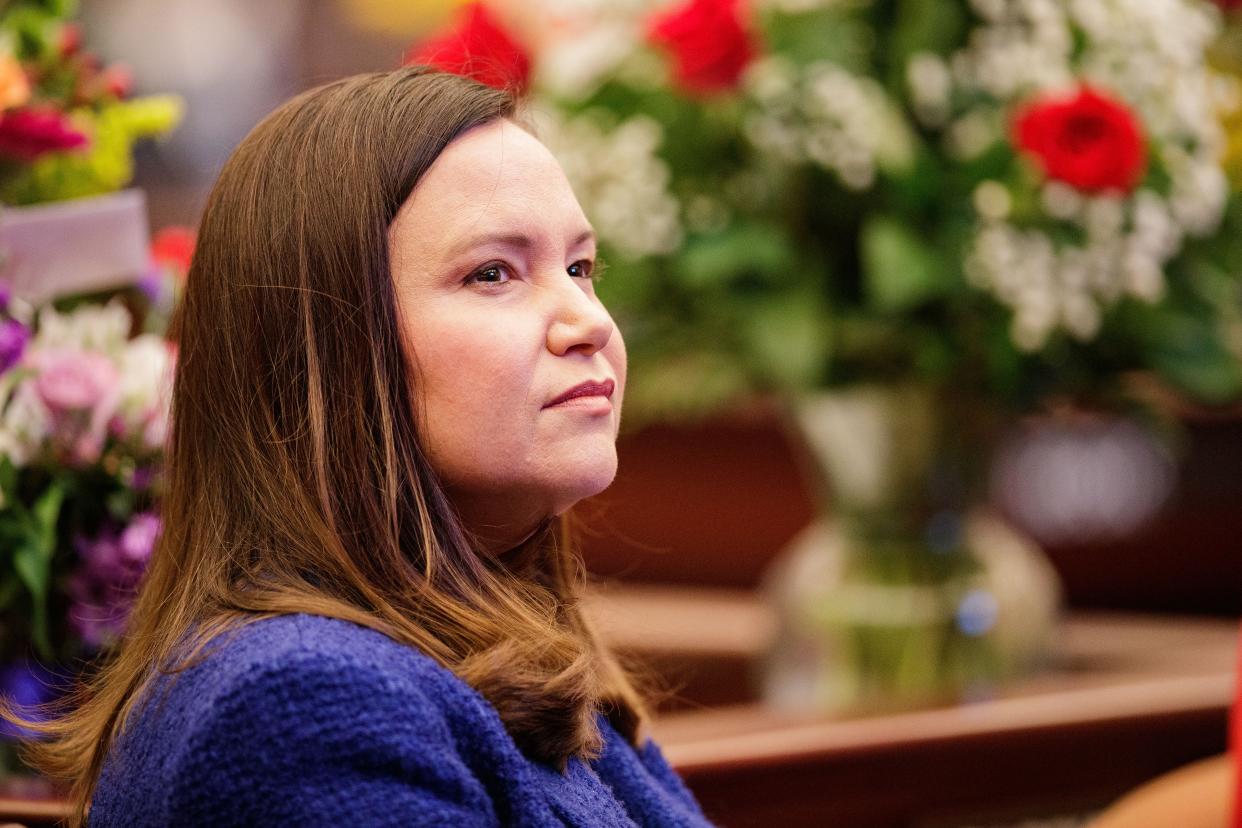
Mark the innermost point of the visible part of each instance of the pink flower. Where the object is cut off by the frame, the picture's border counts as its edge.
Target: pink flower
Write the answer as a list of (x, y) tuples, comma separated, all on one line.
[(138, 539), (80, 390), (75, 380), (26, 134)]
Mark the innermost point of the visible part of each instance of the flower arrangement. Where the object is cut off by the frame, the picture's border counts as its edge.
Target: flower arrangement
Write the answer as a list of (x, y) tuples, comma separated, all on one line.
[(1015, 198), (85, 378), (83, 424), (83, 420), (67, 123)]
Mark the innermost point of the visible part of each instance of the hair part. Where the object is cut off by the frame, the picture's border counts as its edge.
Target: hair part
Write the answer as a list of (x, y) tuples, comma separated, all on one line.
[(295, 477)]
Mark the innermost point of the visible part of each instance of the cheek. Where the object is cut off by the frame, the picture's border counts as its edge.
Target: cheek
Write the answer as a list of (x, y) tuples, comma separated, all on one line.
[(473, 388), (615, 353)]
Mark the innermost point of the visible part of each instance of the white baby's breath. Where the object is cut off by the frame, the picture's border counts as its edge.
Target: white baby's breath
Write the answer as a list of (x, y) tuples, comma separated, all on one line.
[(619, 178), (827, 116)]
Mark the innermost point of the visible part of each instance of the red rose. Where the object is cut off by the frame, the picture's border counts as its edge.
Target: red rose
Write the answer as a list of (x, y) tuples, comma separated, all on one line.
[(1089, 141), (710, 41), (174, 246), (29, 133), (477, 47)]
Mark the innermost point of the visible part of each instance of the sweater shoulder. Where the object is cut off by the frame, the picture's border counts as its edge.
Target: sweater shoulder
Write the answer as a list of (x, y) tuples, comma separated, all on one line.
[(309, 661), (314, 702), (300, 638)]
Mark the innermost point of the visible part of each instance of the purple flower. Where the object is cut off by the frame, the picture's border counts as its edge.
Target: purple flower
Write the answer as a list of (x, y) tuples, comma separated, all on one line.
[(151, 283), (103, 587), (27, 684), (144, 477), (14, 337)]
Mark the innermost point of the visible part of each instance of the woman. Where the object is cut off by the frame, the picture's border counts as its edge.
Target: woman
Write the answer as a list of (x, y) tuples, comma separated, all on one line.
[(363, 606)]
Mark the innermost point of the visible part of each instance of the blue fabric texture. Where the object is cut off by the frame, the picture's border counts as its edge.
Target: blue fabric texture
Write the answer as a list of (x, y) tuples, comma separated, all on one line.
[(305, 720)]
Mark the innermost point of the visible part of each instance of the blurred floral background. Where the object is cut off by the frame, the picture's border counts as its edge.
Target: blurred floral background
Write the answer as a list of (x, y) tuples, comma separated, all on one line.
[(934, 309)]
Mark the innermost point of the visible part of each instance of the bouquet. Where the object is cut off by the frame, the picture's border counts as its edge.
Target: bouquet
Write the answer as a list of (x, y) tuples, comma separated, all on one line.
[(67, 123), (83, 419), (1017, 199), (84, 379)]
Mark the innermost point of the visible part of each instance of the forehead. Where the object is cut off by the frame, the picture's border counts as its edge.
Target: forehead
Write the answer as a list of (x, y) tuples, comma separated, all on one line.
[(494, 177)]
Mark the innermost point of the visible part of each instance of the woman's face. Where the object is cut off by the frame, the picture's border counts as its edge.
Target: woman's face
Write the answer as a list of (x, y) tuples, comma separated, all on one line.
[(492, 260)]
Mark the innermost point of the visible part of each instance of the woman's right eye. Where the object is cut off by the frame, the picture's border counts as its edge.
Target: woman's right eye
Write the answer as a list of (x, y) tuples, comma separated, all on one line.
[(490, 274)]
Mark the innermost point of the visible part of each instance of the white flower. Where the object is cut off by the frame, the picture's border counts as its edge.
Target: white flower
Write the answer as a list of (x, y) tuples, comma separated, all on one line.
[(1060, 200), (573, 64), (1154, 232), (1080, 315), (1102, 217), (992, 200), (25, 424), (102, 328), (619, 178), (930, 83), (823, 114), (1067, 288), (145, 372), (1143, 277), (1200, 190)]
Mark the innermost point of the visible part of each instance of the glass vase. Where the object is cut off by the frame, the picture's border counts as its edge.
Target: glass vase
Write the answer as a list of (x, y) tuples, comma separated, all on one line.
[(907, 590)]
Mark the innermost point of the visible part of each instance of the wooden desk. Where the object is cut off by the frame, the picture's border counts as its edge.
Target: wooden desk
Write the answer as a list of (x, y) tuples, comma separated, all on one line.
[(30, 802), (1126, 698)]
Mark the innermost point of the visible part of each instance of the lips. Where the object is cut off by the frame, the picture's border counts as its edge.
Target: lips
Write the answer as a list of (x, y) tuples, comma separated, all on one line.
[(591, 388)]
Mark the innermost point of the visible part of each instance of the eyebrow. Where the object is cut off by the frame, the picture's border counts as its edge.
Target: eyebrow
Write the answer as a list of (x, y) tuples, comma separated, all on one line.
[(519, 240)]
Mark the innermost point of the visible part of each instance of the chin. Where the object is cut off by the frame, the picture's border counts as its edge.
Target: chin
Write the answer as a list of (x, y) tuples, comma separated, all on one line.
[(583, 484)]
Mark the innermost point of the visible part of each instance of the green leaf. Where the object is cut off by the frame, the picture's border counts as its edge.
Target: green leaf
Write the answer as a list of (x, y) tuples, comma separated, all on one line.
[(788, 338), (742, 250), (838, 34), (8, 480), (9, 588), (925, 27), (900, 270), (32, 561), (1196, 361)]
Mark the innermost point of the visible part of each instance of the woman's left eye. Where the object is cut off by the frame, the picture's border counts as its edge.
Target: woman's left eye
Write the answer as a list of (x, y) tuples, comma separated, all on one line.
[(583, 269)]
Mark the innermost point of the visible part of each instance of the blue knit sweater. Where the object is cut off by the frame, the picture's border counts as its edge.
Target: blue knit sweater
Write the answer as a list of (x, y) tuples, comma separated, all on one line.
[(304, 720)]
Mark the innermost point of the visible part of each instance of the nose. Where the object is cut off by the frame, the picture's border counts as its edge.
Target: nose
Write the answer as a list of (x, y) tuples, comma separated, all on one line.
[(578, 320)]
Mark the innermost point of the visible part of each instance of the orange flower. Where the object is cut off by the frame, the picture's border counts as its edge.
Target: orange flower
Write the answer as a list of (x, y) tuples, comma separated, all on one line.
[(14, 87)]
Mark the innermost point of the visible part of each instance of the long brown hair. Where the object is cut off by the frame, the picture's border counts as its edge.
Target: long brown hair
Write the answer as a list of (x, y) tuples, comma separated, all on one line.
[(296, 481)]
